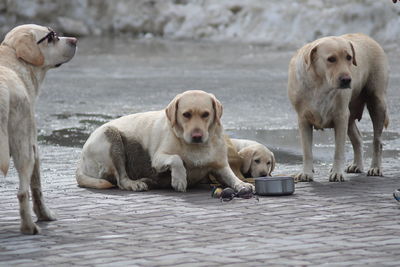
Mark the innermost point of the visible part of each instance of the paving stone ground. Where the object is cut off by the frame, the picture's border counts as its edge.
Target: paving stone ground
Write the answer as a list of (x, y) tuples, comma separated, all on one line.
[(352, 223)]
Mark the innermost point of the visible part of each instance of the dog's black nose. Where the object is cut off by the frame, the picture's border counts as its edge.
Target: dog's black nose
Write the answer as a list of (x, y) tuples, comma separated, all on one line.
[(345, 81), (197, 139)]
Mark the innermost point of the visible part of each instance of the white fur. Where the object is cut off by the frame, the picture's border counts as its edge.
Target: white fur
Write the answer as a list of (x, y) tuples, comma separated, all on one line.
[(23, 65), (165, 134)]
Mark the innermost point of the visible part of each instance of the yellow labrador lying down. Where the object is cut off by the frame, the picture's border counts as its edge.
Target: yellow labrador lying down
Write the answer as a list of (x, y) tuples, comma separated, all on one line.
[(26, 54), (178, 147), (330, 82), (256, 160)]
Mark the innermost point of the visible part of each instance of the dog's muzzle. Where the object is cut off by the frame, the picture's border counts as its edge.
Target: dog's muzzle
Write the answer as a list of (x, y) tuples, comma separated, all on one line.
[(197, 137), (345, 82)]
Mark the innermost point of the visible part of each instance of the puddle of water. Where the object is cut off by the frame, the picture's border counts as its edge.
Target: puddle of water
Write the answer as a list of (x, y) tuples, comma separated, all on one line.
[(285, 143)]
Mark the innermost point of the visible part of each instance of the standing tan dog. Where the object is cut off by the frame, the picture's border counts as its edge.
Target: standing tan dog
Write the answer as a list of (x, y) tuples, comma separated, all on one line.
[(177, 147), (26, 54), (330, 82)]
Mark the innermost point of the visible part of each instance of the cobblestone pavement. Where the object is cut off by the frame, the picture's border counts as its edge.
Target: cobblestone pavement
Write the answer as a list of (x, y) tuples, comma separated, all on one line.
[(351, 223)]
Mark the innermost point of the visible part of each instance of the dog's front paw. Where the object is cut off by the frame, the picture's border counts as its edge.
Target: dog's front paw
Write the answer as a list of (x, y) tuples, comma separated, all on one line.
[(336, 177), (30, 229), (303, 177), (375, 172), (247, 186), (178, 180), (354, 168), (179, 184)]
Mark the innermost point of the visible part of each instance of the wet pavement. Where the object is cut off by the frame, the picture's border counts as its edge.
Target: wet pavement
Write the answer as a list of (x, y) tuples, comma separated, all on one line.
[(351, 223)]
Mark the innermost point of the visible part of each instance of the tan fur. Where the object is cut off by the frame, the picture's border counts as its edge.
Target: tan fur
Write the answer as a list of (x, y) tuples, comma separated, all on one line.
[(256, 159), (27, 50), (234, 159), (330, 82), (185, 139), (23, 65)]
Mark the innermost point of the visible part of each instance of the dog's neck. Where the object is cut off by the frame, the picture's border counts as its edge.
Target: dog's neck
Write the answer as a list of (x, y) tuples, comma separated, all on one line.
[(29, 74)]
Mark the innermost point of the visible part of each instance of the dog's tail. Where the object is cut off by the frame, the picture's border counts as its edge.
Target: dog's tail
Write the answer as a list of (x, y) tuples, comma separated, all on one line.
[(4, 145), (91, 182)]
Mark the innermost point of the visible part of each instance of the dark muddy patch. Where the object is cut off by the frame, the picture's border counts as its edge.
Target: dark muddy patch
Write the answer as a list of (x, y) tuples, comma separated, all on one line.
[(74, 136), (101, 117), (70, 137)]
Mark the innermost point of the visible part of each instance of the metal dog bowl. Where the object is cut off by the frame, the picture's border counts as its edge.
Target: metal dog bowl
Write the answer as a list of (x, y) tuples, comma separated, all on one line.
[(274, 186)]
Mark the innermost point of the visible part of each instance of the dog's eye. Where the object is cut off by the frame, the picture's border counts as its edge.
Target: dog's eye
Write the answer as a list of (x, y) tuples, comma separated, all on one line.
[(268, 162), (257, 161), (332, 59), (205, 115), (348, 57), (187, 115), (52, 37)]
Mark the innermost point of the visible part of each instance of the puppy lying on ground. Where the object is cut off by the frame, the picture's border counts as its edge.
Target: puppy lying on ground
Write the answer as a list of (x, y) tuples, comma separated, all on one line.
[(177, 147), (256, 160), (330, 82), (26, 53)]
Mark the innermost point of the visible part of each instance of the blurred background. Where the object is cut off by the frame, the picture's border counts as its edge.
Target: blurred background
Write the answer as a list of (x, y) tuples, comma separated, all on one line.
[(279, 23)]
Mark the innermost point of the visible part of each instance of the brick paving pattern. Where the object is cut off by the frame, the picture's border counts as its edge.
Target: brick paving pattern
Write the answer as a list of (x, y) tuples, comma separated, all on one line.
[(351, 223)]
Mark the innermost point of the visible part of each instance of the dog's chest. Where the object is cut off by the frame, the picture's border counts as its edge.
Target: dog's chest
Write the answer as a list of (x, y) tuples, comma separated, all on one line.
[(326, 106), (200, 157)]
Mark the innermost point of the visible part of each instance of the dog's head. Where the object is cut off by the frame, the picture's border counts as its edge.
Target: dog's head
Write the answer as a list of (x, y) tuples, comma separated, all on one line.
[(331, 59), (257, 160), (40, 46), (193, 115)]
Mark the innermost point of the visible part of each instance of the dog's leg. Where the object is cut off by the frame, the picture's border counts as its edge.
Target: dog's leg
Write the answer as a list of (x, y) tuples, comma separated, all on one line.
[(377, 110), (356, 141), (306, 135), (226, 176), (23, 156), (336, 174), (40, 209), (4, 138), (118, 157), (162, 162)]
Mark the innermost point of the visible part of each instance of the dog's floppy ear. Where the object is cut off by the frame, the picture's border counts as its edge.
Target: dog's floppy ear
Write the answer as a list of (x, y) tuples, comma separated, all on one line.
[(27, 49), (354, 54), (247, 156), (310, 56), (217, 109), (272, 164), (171, 110)]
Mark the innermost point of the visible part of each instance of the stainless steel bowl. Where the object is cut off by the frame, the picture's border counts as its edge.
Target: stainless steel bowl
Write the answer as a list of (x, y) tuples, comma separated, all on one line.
[(274, 186)]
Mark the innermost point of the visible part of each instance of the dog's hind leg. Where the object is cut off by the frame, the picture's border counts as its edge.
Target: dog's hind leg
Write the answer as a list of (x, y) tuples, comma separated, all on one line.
[(118, 156), (4, 145), (356, 141), (23, 156), (378, 111), (40, 209)]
